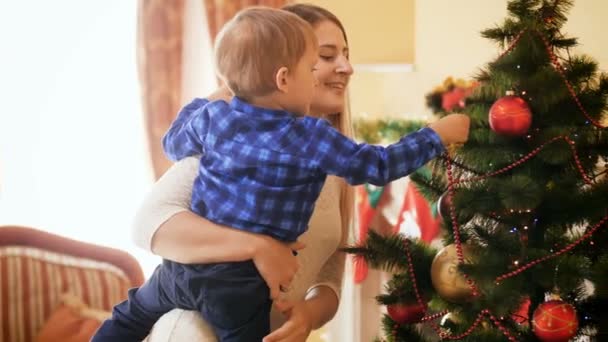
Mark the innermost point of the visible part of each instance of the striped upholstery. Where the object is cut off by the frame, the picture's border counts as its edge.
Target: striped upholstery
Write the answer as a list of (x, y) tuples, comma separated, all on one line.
[(32, 280)]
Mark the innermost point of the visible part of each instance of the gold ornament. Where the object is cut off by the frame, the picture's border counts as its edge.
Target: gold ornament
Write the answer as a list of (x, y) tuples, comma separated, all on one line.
[(447, 279)]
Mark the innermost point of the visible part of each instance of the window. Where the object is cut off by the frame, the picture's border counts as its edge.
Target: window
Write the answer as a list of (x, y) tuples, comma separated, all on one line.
[(73, 157)]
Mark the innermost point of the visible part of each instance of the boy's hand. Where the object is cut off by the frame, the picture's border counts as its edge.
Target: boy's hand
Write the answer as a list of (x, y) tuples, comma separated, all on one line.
[(276, 262), (452, 128)]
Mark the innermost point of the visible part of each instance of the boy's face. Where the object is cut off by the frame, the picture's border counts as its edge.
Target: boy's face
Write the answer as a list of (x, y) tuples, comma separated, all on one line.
[(303, 82)]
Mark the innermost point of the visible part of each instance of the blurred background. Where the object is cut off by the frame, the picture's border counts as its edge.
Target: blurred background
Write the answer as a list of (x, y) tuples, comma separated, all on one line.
[(85, 97)]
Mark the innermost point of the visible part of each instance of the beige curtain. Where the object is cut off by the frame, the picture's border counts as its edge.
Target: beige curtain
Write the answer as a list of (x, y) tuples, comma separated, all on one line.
[(220, 11), (159, 57)]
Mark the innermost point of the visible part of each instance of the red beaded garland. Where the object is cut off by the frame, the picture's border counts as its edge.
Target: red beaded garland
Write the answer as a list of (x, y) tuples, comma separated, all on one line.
[(560, 70)]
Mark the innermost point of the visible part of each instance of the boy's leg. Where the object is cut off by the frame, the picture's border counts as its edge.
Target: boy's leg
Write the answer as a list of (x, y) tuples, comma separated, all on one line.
[(253, 330), (235, 301), (133, 319)]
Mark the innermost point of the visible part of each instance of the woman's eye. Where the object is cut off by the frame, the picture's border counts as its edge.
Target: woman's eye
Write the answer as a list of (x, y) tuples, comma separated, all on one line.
[(327, 58)]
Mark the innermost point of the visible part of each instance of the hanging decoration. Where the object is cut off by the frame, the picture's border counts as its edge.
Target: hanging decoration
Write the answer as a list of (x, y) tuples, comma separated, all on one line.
[(511, 116)]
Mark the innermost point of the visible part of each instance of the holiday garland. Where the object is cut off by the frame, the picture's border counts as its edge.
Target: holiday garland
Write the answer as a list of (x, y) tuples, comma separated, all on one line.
[(380, 130)]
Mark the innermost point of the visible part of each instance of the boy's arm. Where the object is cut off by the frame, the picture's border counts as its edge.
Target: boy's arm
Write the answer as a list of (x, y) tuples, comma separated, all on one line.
[(186, 134), (364, 163)]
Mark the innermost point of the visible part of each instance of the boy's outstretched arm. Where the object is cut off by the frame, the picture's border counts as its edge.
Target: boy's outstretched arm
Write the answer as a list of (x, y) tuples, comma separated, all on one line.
[(378, 165)]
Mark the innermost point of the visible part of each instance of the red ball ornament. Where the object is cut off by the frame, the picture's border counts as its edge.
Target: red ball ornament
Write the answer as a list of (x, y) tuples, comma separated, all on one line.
[(406, 313), (555, 321), (511, 116)]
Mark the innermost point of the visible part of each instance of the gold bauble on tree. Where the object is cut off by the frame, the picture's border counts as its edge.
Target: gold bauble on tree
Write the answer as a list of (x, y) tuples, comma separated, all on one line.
[(447, 280)]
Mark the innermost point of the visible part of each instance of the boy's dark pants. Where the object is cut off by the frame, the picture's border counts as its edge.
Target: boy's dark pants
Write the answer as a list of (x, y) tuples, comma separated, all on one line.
[(232, 297)]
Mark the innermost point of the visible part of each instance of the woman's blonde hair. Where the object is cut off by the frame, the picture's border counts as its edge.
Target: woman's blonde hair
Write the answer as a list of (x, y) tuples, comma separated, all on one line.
[(255, 44), (342, 121), (315, 15)]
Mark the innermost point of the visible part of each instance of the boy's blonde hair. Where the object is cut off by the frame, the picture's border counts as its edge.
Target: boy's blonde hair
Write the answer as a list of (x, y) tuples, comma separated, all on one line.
[(255, 44)]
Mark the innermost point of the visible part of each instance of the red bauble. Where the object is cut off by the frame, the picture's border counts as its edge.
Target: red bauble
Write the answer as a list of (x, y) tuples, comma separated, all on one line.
[(406, 313), (511, 116), (453, 98), (555, 321), (521, 315)]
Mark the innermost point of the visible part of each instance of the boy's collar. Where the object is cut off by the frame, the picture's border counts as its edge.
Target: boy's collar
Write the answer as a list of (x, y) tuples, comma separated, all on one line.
[(243, 106)]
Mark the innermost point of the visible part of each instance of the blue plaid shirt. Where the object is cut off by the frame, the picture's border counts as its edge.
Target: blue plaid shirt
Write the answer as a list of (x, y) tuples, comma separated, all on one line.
[(262, 170)]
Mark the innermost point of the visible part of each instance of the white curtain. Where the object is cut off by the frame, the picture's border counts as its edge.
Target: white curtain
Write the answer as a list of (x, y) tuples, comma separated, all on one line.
[(198, 78)]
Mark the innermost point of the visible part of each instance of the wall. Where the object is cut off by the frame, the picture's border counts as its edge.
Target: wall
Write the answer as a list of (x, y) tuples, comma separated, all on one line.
[(448, 43), (363, 21)]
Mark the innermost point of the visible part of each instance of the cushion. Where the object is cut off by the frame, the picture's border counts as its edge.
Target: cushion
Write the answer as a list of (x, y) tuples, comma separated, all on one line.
[(72, 321), (32, 281)]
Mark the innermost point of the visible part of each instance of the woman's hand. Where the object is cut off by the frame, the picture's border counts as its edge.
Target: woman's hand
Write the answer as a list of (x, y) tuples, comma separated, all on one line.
[(298, 325), (276, 262)]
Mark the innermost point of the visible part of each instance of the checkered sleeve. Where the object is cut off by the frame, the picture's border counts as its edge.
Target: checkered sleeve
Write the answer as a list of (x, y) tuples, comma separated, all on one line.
[(186, 134), (365, 163)]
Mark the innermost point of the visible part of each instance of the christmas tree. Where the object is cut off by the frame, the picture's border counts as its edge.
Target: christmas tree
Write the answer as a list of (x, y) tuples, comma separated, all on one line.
[(524, 202)]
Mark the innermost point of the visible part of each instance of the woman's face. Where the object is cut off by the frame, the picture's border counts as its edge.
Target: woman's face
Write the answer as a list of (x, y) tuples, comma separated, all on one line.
[(332, 71)]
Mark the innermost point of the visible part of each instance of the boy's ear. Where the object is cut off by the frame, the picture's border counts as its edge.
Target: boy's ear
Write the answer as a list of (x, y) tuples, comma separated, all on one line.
[(280, 79)]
